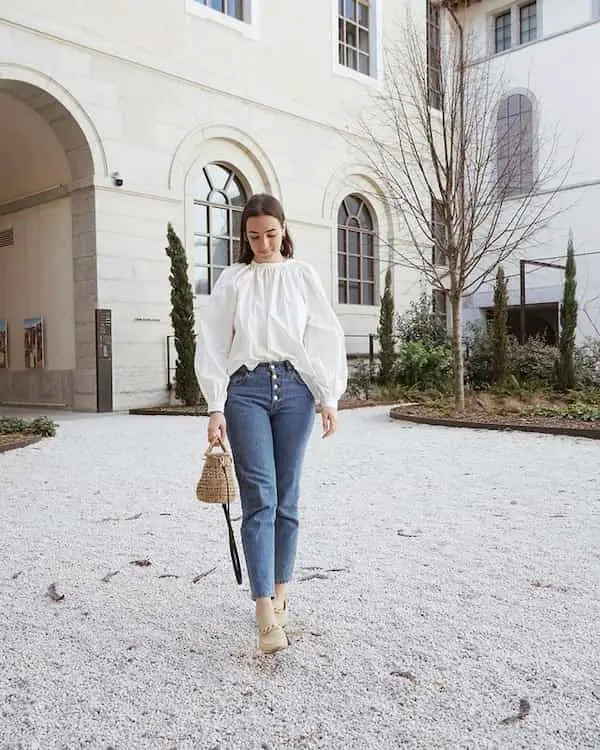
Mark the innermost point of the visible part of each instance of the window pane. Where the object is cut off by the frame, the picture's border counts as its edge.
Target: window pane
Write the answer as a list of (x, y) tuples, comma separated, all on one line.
[(201, 250), (200, 219), (350, 9), (215, 273), (528, 22), (367, 244), (201, 285), (342, 292), (354, 242), (217, 176), (217, 196), (353, 205), (236, 248), (351, 37), (235, 192), (368, 269), (502, 28), (363, 14), (219, 252), (365, 217), (218, 221), (514, 104), (363, 40), (342, 54), (200, 187), (354, 266), (351, 58), (341, 30), (236, 223), (354, 296), (363, 64), (235, 9), (342, 266), (342, 215), (368, 294), (342, 248)]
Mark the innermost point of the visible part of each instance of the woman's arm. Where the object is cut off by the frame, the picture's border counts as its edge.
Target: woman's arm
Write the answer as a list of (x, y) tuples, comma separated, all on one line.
[(213, 342), (324, 342)]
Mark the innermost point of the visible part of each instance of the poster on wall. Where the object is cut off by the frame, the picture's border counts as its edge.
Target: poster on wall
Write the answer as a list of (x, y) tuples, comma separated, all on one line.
[(34, 343), (3, 343)]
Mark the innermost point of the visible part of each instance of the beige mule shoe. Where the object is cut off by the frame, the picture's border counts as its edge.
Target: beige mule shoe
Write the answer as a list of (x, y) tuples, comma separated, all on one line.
[(272, 639), (282, 614)]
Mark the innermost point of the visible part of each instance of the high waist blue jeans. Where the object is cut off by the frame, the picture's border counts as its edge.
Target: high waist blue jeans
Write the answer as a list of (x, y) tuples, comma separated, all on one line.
[(270, 414)]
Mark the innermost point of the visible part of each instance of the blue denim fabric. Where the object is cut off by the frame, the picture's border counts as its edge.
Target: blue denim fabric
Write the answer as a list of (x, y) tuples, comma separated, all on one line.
[(270, 415)]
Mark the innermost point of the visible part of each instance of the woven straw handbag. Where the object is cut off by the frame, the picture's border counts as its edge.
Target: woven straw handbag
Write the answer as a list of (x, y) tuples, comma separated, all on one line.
[(217, 485)]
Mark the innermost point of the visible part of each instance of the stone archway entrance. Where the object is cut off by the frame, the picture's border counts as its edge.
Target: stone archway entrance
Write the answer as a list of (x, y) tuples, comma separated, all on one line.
[(48, 268)]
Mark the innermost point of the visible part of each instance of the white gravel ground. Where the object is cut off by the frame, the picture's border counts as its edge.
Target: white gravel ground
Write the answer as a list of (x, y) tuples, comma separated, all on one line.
[(427, 638)]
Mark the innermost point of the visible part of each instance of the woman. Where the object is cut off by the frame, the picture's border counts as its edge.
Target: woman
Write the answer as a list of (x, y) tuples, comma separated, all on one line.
[(269, 347)]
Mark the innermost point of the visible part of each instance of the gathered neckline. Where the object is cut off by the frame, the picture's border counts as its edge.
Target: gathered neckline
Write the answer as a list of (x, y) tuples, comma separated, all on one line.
[(270, 263)]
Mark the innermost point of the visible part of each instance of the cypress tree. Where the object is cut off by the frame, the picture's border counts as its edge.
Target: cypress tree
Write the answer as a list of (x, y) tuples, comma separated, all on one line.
[(182, 320), (568, 324), (499, 327), (385, 332)]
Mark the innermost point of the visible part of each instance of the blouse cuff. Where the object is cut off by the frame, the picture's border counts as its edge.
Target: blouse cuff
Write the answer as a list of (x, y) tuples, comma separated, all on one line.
[(217, 404), (330, 401)]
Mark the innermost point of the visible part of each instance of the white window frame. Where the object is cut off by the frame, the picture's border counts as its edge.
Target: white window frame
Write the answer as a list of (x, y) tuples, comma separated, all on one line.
[(375, 46), (248, 27), (515, 29)]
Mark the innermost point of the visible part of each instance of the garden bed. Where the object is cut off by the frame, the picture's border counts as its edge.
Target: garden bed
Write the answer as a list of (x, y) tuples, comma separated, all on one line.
[(178, 410), (488, 411), (19, 433), (18, 440)]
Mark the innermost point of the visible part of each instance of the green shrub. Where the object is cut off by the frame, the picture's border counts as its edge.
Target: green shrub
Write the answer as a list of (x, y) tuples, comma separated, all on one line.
[(360, 380), (420, 323), (532, 363), (529, 365), (39, 426), (479, 356), (424, 366), (581, 412), (587, 363)]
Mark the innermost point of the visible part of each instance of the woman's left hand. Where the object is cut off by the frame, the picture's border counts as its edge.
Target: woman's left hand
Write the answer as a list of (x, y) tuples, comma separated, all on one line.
[(328, 419)]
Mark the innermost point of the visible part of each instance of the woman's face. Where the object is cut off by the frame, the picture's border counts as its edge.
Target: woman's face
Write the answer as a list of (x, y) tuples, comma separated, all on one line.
[(265, 235)]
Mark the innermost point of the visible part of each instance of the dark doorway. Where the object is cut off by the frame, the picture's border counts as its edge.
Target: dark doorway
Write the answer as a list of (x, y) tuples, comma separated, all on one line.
[(541, 320)]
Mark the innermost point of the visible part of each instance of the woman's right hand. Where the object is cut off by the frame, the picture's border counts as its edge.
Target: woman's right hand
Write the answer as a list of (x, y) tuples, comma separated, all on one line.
[(217, 426)]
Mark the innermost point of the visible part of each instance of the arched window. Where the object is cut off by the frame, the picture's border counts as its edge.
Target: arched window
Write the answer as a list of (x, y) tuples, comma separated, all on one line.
[(356, 252), (219, 199), (515, 144)]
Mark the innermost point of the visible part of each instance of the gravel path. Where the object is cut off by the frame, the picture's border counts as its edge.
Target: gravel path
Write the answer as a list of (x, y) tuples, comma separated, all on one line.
[(447, 583)]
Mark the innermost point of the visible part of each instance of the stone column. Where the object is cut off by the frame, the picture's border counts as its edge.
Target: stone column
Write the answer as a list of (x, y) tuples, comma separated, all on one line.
[(85, 274)]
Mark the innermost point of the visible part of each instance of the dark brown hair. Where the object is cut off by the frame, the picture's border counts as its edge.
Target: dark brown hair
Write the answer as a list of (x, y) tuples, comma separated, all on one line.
[(263, 204)]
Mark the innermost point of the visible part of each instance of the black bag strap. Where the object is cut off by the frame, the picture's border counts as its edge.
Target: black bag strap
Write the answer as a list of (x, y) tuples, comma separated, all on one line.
[(235, 558)]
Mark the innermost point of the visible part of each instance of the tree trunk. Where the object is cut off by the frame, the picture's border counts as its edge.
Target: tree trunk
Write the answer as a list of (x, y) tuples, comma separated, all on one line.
[(458, 364)]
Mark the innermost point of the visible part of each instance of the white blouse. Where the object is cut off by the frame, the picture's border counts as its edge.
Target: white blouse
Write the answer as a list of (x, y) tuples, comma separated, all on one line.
[(270, 312)]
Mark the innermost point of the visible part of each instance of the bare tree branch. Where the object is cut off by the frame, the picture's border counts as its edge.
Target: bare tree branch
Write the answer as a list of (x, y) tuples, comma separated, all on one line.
[(475, 160)]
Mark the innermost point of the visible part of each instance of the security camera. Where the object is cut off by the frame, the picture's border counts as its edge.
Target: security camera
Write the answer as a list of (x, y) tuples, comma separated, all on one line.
[(117, 179)]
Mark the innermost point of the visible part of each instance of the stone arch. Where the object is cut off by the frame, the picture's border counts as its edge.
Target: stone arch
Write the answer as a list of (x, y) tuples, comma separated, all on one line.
[(74, 128), (200, 142), (357, 179), (51, 269)]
